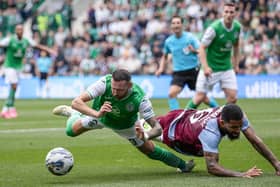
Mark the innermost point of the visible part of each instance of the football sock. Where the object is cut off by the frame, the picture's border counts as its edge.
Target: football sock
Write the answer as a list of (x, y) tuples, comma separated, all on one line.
[(70, 122), (213, 103), (11, 98), (173, 103), (167, 157), (191, 105)]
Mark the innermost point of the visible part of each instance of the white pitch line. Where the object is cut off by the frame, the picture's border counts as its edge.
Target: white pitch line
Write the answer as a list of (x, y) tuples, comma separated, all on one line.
[(30, 130)]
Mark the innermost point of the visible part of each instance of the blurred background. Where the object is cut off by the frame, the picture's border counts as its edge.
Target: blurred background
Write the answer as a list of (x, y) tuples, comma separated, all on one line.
[(94, 37)]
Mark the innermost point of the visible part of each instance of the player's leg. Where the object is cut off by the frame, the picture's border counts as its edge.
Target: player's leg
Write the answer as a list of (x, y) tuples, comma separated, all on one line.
[(231, 95), (210, 101), (174, 90), (201, 90), (196, 100), (11, 77), (77, 123), (191, 79), (229, 86), (155, 152), (176, 86)]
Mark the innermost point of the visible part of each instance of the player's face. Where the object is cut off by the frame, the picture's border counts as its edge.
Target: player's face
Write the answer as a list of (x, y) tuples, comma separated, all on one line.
[(19, 30), (229, 14), (176, 25), (120, 88), (233, 128)]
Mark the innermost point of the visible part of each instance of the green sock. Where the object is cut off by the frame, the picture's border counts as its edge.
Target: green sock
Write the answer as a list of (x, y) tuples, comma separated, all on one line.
[(70, 122), (167, 157), (191, 105), (11, 98)]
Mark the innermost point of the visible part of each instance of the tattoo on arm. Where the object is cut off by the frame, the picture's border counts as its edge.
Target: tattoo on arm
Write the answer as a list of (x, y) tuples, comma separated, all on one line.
[(156, 128), (212, 163)]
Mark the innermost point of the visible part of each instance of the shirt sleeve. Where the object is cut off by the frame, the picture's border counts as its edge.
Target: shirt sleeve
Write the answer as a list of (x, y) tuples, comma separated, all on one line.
[(5, 42), (208, 36), (166, 49), (146, 109), (209, 141), (98, 88), (245, 124)]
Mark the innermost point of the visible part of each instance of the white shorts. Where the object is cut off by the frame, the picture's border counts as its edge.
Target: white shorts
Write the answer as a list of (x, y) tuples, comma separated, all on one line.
[(227, 79), (129, 134), (11, 75)]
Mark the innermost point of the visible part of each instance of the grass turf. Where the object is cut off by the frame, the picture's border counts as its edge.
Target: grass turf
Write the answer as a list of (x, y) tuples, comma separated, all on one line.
[(104, 159)]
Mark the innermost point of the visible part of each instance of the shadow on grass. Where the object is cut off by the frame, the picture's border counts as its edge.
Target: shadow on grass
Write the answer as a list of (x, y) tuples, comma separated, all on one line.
[(109, 177)]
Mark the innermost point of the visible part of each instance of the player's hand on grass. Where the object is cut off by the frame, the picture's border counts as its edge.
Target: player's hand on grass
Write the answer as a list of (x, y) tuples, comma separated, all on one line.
[(277, 169), (253, 172), (106, 107)]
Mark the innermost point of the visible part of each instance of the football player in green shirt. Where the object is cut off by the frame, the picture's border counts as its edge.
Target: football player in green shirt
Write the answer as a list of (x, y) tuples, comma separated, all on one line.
[(215, 53), (16, 46), (116, 105)]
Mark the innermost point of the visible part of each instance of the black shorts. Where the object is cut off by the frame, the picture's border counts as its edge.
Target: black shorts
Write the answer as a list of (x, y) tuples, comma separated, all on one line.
[(181, 78), (43, 76)]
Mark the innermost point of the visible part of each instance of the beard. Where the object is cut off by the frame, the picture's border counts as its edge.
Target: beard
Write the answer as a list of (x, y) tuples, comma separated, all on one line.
[(233, 136)]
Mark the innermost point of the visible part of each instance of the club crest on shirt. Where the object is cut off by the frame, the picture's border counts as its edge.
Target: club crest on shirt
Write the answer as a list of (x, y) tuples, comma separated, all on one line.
[(186, 50), (129, 107), (228, 45)]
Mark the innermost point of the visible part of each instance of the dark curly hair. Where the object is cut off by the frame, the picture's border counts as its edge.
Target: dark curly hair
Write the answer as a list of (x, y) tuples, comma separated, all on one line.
[(231, 112)]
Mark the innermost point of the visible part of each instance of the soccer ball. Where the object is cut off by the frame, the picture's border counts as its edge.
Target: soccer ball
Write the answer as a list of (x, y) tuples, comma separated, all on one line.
[(59, 161)]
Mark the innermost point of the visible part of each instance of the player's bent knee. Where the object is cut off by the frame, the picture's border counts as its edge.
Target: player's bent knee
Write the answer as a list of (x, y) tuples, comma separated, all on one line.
[(69, 126), (70, 133)]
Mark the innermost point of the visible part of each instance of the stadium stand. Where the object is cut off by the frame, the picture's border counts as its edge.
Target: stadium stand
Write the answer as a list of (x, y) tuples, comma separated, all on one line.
[(96, 37)]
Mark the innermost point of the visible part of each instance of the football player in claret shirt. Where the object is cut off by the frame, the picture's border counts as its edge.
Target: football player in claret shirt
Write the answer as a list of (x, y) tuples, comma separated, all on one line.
[(199, 133)]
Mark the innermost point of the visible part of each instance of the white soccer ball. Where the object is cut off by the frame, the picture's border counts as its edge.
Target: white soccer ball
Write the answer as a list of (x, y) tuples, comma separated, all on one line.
[(59, 161)]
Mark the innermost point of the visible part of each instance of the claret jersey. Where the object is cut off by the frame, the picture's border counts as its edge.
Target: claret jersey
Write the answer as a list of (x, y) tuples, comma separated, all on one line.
[(193, 131)]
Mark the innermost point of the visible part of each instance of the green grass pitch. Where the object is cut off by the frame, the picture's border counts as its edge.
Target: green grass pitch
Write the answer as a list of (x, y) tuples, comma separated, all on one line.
[(104, 159)]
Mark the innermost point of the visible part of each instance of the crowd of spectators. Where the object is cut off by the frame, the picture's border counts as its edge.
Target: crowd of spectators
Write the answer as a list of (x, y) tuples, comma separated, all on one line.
[(130, 33)]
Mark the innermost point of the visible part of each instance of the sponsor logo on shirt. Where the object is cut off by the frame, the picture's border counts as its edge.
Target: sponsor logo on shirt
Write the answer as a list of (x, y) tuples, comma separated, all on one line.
[(221, 36), (116, 111)]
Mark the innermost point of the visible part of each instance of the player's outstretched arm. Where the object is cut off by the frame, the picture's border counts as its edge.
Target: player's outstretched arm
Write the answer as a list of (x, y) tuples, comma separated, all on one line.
[(161, 68), (202, 57), (263, 149), (45, 48), (214, 168)]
